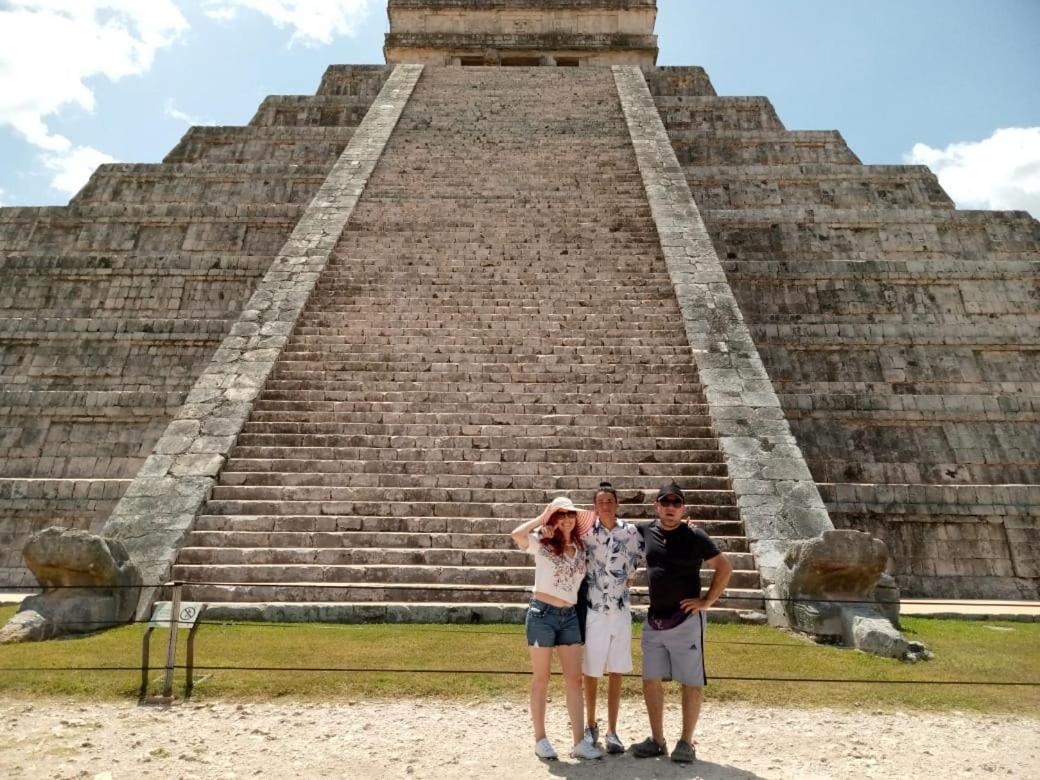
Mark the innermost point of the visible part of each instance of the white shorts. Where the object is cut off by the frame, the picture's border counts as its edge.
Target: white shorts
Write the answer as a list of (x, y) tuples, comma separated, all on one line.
[(608, 643)]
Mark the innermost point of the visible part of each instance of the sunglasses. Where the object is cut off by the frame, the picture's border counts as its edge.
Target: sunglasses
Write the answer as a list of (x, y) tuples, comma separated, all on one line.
[(671, 502)]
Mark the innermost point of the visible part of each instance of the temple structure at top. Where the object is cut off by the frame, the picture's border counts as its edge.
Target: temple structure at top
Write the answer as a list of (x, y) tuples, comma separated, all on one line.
[(522, 32)]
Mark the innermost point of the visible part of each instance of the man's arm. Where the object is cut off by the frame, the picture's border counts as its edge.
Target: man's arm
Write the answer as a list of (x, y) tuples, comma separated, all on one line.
[(723, 571)]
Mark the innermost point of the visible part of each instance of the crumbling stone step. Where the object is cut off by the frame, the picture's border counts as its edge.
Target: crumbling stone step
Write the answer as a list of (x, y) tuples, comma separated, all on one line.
[(850, 234), (311, 111), (354, 80), (301, 145), (684, 81), (815, 184), (717, 113), (194, 183), (760, 147)]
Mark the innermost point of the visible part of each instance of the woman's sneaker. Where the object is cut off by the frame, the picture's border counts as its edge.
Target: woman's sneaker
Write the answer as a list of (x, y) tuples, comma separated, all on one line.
[(614, 746), (592, 734), (544, 750), (586, 749)]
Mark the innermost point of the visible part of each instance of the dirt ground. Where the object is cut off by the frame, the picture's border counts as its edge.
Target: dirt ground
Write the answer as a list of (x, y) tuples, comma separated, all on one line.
[(426, 738)]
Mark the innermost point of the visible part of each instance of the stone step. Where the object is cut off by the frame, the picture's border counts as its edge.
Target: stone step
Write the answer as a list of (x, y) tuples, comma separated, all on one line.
[(311, 111), (472, 578), (299, 145), (717, 113), (232, 476), (566, 441), (193, 183), (468, 613), (579, 475), (406, 414), (423, 494), (516, 428), (801, 186), (354, 80), (735, 547), (554, 398), (542, 382), (852, 234), (245, 229), (326, 523), (760, 147), (440, 565), (600, 458), (479, 407), (378, 507), (683, 81), (361, 604)]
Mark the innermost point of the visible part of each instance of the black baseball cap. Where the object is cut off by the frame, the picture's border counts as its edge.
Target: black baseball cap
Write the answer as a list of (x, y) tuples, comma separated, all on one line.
[(670, 489)]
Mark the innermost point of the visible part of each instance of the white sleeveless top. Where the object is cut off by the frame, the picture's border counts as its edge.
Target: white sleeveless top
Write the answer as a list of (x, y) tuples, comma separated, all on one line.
[(556, 575)]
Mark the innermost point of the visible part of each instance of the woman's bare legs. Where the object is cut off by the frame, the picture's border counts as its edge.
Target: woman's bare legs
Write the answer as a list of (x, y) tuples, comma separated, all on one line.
[(541, 660), (570, 661)]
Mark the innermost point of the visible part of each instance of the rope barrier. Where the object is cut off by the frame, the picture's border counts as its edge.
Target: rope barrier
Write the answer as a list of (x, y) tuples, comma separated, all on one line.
[(493, 589), (521, 673)]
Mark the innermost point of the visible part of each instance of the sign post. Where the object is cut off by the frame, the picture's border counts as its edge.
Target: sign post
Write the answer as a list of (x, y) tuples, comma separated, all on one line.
[(173, 615)]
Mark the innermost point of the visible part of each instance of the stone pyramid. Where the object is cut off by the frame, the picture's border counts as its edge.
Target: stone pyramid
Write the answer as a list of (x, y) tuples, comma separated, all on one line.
[(316, 367)]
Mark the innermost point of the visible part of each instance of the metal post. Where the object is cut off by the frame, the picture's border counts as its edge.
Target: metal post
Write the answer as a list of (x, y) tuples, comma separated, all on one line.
[(144, 663), (171, 648)]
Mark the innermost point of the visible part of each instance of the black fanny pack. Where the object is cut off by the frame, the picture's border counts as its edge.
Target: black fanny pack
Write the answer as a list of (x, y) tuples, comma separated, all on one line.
[(666, 622)]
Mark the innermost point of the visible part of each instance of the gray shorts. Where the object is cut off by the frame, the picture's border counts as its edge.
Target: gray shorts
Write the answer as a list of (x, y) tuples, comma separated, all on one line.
[(677, 653)]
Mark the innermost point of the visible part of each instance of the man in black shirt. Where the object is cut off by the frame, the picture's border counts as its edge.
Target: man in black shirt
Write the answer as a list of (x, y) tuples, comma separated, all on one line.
[(673, 637)]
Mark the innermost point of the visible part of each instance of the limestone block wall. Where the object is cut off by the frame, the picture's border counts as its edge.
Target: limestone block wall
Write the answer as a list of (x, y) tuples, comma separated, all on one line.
[(440, 32), (901, 335), (111, 306)]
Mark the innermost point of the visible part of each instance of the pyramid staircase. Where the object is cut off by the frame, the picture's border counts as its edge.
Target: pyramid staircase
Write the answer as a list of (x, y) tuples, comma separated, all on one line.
[(496, 327)]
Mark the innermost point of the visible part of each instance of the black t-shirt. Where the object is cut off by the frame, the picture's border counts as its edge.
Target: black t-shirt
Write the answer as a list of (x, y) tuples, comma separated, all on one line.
[(673, 565)]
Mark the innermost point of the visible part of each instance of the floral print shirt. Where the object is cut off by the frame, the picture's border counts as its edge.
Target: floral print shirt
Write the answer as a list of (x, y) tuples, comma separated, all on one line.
[(613, 557)]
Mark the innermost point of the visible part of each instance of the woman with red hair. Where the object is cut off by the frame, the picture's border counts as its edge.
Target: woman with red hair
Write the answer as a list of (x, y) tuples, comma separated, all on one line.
[(554, 539)]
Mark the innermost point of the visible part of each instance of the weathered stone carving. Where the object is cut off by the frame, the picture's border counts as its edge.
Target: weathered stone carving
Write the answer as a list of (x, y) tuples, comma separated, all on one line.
[(89, 583), (833, 587)]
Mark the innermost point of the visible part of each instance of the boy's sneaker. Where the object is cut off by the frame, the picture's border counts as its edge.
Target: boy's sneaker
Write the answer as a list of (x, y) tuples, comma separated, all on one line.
[(649, 749), (614, 746), (592, 733), (586, 749), (544, 750), (684, 753)]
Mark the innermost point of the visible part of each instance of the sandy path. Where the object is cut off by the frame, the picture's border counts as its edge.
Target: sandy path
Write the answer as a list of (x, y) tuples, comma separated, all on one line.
[(434, 739)]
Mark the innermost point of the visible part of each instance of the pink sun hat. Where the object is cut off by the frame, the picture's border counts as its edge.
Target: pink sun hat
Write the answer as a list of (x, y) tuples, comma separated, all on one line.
[(586, 518)]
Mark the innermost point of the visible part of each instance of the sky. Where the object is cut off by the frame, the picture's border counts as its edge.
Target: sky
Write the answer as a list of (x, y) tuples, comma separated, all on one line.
[(947, 83)]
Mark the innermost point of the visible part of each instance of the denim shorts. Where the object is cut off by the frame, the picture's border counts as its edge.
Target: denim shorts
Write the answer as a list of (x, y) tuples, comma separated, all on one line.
[(549, 626)]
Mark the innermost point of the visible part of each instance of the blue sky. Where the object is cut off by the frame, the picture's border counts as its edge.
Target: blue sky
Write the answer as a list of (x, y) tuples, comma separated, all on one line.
[(933, 81)]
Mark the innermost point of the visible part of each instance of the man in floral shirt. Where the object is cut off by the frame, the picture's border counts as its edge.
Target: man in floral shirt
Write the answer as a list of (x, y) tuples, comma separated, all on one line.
[(614, 551)]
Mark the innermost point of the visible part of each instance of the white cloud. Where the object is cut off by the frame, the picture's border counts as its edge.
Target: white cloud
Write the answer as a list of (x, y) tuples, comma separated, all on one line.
[(313, 22), (2, 195), (171, 110), (1000, 172), (73, 167), (50, 48)]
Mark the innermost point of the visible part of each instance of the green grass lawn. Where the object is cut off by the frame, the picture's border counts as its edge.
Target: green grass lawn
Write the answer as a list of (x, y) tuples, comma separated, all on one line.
[(964, 651)]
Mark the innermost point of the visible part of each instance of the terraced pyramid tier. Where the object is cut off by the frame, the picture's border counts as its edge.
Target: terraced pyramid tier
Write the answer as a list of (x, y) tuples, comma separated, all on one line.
[(496, 327)]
